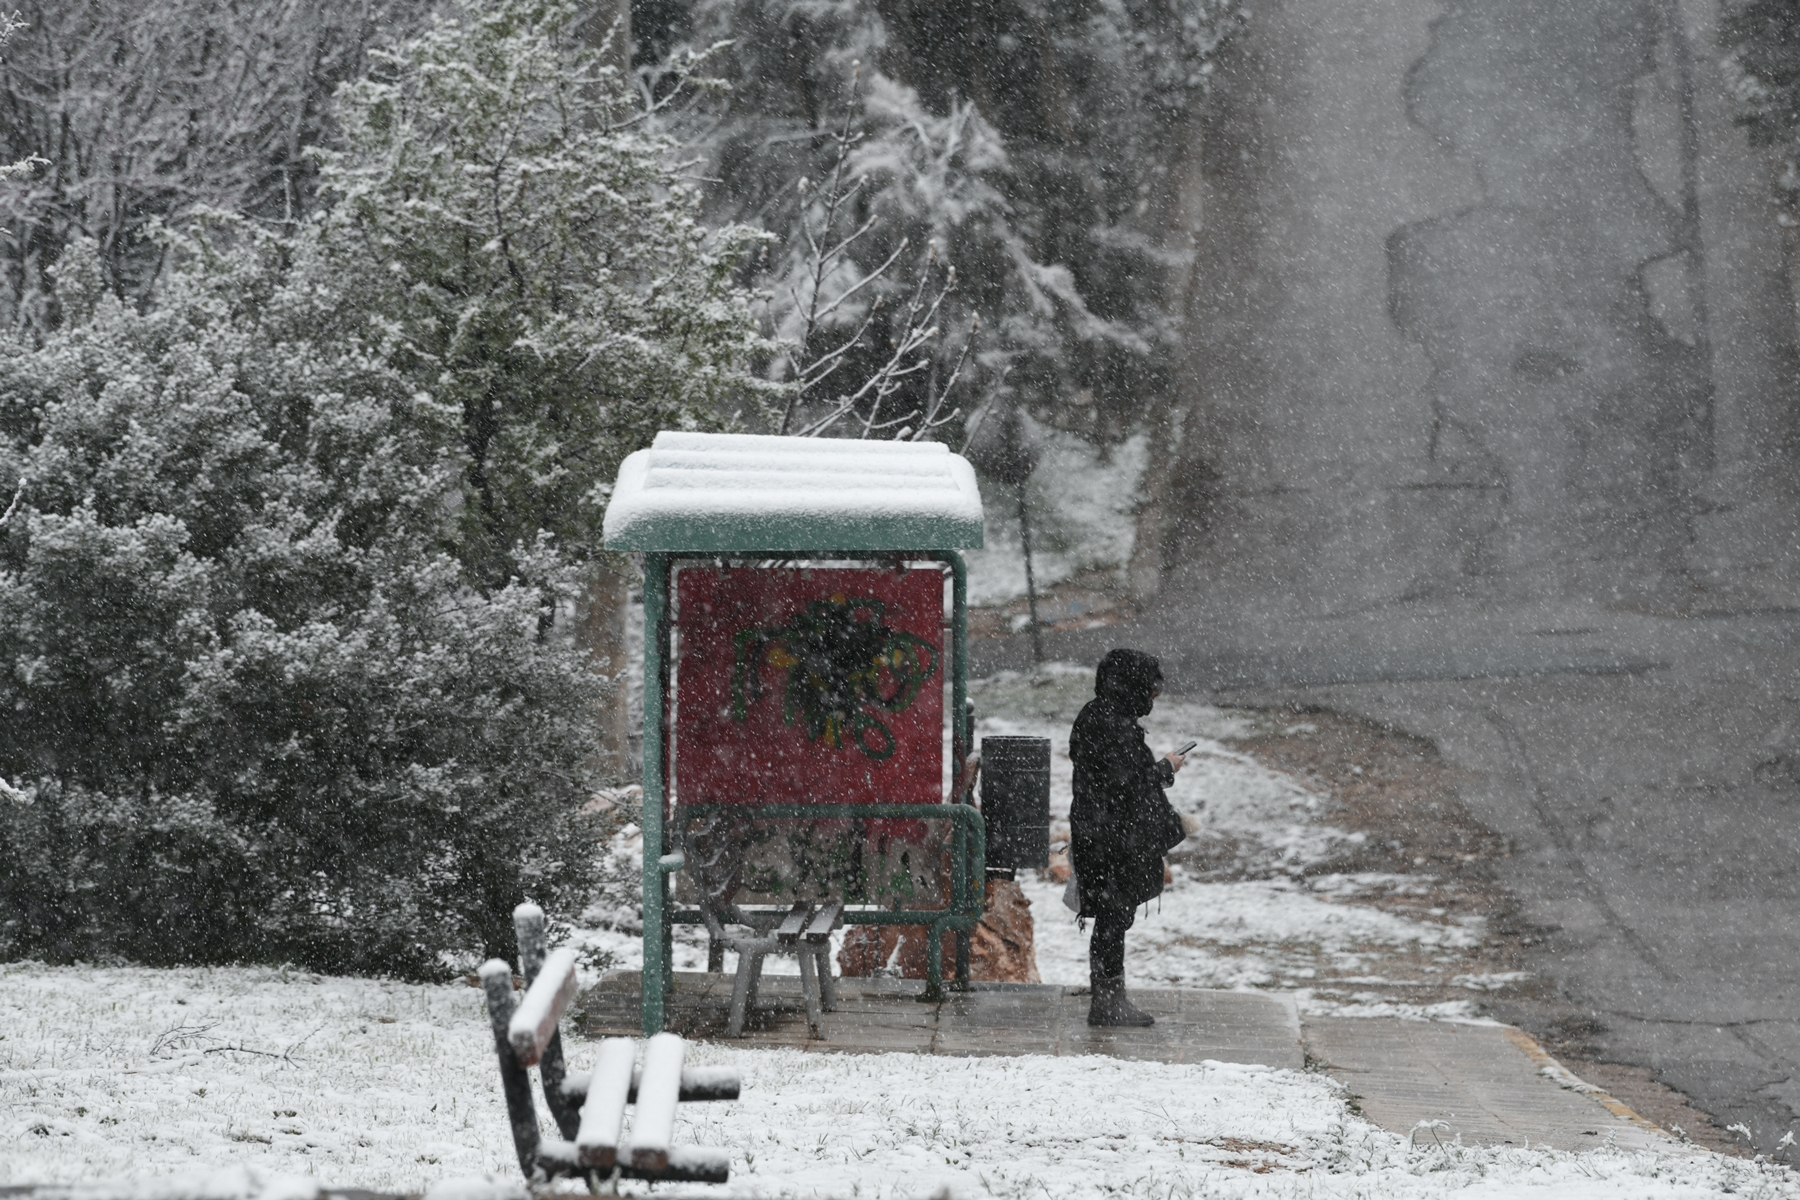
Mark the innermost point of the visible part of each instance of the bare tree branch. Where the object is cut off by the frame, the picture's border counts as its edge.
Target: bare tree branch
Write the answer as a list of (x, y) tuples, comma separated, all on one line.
[(134, 112), (820, 350), (18, 498)]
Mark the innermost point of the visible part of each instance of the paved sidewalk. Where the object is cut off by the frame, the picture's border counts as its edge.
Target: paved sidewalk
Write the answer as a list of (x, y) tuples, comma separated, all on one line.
[(1485, 1084), (887, 1015)]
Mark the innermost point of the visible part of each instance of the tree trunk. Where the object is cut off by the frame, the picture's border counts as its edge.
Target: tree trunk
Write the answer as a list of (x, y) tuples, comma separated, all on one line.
[(601, 627), (600, 630), (1144, 570)]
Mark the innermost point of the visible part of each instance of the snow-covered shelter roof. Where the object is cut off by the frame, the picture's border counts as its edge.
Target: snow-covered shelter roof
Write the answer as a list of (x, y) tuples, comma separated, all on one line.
[(718, 492)]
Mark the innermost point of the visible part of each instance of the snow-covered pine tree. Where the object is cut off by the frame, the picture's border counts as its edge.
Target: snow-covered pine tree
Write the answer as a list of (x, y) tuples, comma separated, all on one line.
[(1028, 142)]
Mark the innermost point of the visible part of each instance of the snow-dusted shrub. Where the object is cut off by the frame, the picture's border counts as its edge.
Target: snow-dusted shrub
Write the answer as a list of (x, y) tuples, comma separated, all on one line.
[(258, 711), (534, 249), (278, 573)]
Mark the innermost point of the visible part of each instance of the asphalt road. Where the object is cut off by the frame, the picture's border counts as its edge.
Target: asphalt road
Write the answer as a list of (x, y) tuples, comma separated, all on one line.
[(1647, 767)]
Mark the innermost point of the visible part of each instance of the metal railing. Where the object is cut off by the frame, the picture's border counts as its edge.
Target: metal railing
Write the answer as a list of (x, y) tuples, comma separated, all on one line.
[(968, 853)]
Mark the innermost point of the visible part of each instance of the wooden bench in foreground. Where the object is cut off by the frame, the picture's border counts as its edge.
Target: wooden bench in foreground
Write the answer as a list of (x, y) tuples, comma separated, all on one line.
[(589, 1108)]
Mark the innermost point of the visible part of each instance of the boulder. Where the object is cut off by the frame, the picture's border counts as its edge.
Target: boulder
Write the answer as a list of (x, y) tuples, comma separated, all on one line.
[(1000, 948)]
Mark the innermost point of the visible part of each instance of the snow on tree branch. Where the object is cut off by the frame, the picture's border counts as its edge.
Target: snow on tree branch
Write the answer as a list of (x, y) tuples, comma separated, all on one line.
[(136, 112), (18, 498), (827, 284), (1039, 150)]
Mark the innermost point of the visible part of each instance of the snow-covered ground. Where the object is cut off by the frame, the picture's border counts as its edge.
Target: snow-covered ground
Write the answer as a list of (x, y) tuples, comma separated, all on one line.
[(239, 1083), (231, 1083)]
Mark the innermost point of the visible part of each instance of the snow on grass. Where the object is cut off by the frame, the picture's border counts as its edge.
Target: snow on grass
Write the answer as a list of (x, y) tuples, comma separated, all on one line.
[(232, 1083), (1238, 934), (113, 1071)]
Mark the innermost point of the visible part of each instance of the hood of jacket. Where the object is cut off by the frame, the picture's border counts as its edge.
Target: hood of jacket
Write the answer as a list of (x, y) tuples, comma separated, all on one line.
[(1127, 680)]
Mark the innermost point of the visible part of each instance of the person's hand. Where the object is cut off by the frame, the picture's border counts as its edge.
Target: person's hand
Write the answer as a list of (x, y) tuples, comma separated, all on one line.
[(1175, 760)]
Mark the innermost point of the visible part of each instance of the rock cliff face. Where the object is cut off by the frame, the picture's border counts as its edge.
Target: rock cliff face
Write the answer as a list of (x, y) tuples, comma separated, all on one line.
[(1488, 302)]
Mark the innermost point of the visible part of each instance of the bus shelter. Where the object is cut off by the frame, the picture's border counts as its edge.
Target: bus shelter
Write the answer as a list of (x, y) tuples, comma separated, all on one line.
[(805, 681)]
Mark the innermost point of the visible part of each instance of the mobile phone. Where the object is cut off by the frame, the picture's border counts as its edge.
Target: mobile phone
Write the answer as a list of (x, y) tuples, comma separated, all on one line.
[(1188, 747)]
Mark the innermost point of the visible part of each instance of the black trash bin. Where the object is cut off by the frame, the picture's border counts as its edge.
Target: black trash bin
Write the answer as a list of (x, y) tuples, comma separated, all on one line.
[(1015, 801)]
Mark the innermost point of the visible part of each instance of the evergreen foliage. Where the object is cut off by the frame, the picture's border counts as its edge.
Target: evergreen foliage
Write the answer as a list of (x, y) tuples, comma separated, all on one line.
[(1029, 143), (278, 577), (1762, 38), (504, 204), (263, 716)]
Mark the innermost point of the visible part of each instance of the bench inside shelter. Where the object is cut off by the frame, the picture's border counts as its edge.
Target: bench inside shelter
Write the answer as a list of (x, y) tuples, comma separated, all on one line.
[(803, 931)]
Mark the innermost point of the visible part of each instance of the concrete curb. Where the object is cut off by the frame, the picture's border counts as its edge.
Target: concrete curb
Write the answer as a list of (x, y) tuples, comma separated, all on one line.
[(1550, 1068), (1481, 1082)]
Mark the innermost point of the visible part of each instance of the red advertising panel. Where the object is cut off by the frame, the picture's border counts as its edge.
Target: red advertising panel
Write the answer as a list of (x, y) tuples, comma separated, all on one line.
[(809, 686)]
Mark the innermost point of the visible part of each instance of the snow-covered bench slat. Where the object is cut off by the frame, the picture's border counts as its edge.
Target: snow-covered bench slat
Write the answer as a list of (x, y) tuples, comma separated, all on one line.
[(697, 1083), (603, 1106), (543, 1006), (823, 922), (589, 1109), (659, 1089), (790, 928)]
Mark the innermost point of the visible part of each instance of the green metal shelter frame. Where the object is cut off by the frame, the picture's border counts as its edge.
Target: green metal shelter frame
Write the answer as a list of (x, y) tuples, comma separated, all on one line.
[(748, 499)]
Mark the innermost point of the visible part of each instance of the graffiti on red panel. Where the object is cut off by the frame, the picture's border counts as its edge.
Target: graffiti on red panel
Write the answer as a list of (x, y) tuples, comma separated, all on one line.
[(820, 686)]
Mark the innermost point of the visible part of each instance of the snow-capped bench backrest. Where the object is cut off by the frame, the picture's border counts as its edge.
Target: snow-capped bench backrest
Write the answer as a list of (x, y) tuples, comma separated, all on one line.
[(589, 1109), (534, 1022)]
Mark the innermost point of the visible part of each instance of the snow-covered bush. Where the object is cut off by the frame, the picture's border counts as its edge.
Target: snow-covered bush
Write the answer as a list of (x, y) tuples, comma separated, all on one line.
[(258, 710), (283, 547)]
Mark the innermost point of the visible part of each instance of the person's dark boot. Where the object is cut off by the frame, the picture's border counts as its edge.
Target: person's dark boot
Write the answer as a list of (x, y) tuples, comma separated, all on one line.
[(1110, 1007)]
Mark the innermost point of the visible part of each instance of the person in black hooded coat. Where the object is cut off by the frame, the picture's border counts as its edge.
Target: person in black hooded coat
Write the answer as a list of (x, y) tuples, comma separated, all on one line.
[(1121, 822)]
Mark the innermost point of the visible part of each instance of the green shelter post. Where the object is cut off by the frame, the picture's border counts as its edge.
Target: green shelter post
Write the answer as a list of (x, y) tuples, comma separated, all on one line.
[(657, 933)]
